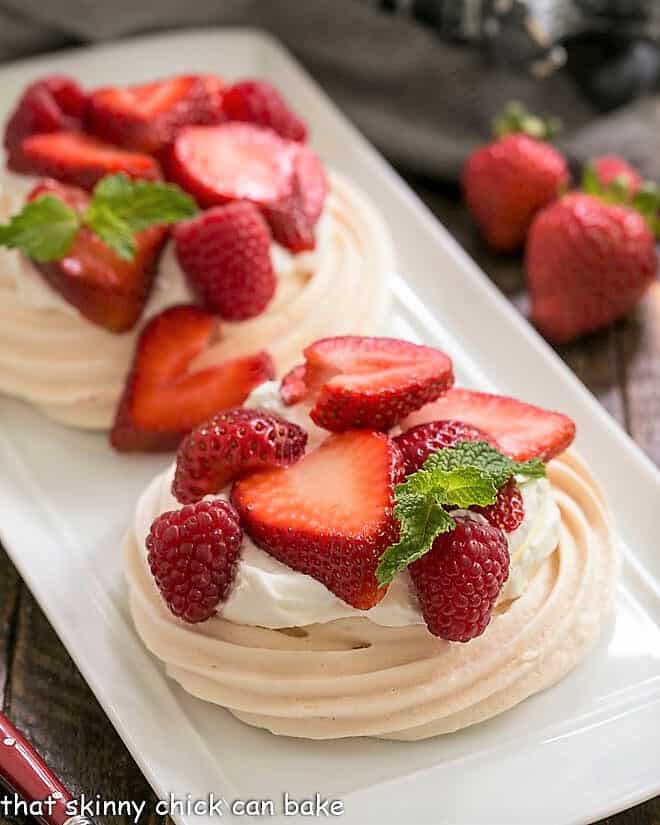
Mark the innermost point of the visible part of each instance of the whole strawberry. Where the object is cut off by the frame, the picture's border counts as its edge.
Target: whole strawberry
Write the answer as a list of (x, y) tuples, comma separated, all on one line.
[(507, 181), (225, 254), (459, 579), (611, 169), (588, 263), (192, 554)]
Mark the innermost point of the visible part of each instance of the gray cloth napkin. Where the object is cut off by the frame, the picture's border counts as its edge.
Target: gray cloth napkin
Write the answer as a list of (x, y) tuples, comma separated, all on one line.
[(424, 102)]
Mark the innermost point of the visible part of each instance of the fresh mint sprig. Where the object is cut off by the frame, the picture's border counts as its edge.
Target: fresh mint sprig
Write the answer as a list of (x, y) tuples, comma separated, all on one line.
[(471, 473), (46, 228)]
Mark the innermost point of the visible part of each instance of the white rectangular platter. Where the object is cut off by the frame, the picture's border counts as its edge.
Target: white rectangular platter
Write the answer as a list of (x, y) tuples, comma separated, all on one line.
[(577, 752)]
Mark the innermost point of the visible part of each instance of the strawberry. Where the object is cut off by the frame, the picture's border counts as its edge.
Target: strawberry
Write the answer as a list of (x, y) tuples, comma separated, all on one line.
[(610, 169), (225, 254), (330, 514), (51, 104), (260, 103), (232, 161), (459, 579), (522, 430), (293, 388), (165, 397), (147, 118), (106, 289), (193, 554), (506, 182), (368, 383), (79, 160), (508, 511), (229, 445), (588, 263), (418, 443), (238, 161)]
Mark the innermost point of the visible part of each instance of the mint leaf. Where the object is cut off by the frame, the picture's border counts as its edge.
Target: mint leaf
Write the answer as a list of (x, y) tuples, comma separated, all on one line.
[(422, 520), (142, 203), (44, 229), (468, 474), (499, 468), (113, 230)]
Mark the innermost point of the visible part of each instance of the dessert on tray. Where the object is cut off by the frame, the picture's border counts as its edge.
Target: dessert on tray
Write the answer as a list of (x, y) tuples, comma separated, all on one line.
[(277, 250), (363, 549)]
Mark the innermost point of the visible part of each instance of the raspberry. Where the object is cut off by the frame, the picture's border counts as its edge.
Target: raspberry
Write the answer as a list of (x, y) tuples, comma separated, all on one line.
[(256, 101), (508, 511), (225, 253), (230, 443), (459, 579), (418, 443), (193, 553)]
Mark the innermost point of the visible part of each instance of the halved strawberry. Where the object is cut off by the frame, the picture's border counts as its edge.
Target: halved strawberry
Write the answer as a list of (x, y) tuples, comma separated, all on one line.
[(106, 289), (330, 514), (52, 104), (79, 160), (238, 161), (163, 399), (522, 430), (368, 383), (147, 117), (232, 161)]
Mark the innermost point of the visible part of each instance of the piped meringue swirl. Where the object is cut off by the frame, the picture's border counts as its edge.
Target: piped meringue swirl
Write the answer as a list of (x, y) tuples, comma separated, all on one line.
[(353, 677), (75, 370)]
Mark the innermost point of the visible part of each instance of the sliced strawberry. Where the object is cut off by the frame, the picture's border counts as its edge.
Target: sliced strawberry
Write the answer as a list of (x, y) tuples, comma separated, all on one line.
[(289, 221), (260, 103), (51, 104), (293, 388), (369, 383), (231, 444), (146, 118), (313, 182), (330, 514), (417, 443), (522, 430), (164, 399), (232, 161), (79, 160), (106, 289)]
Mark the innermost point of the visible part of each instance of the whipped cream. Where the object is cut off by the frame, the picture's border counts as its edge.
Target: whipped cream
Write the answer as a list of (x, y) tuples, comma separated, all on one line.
[(267, 593), (75, 370)]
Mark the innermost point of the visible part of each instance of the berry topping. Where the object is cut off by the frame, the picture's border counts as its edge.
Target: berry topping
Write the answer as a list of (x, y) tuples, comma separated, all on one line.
[(225, 253), (52, 104), (233, 161), (293, 388), (193, 554), (368, 383), (105, 288), (260, 103), (458, 581), (522, 430), (165, 396), (146, 118), (231, 444), (330, 514), (588, 263), (419, 442), (238, 161), (507, 182), (79, 160), (508, 511)]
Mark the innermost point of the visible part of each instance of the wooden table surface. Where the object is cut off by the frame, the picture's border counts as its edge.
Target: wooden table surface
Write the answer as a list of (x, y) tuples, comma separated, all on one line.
[(45, 696)]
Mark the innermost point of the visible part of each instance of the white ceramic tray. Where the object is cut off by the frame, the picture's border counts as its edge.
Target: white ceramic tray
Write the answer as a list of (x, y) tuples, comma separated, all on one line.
[(577, 752)]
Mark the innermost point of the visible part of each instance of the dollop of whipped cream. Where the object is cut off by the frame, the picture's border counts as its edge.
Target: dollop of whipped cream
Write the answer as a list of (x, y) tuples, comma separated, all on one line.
[(267, 593)]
